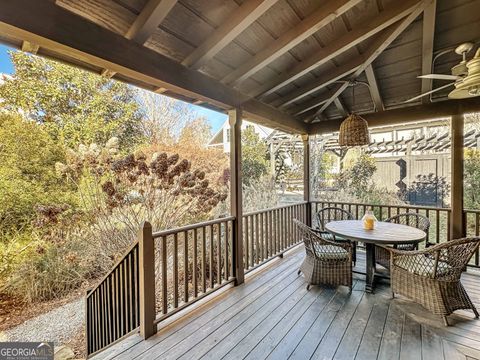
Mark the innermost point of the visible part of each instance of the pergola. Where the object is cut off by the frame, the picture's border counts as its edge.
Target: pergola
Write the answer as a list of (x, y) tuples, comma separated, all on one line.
[(286, 64)]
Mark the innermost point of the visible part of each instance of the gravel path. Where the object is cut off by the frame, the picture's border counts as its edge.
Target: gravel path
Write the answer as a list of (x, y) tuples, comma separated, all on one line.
[(57, 325)]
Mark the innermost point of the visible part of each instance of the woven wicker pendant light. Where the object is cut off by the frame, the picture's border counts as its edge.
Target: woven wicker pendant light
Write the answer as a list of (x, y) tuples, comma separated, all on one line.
[(354, 129)]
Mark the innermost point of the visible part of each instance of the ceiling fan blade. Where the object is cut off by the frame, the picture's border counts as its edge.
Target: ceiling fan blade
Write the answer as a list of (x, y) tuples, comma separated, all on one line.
[(429, 92), (439, 77)]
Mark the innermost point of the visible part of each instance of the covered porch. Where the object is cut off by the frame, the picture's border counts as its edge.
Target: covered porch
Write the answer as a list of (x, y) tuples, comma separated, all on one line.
[(229, 287), (273, 316)]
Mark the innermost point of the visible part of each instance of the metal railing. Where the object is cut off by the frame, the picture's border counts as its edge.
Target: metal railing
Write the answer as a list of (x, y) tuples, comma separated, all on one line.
[(439, 218), (112, 308), (269, 233)]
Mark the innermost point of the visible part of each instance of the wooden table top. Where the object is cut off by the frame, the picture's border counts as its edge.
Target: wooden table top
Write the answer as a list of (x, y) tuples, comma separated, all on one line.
[(384, 232)]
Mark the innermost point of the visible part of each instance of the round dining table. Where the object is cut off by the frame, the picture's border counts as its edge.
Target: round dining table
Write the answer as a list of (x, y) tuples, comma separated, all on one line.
[(384, 233)]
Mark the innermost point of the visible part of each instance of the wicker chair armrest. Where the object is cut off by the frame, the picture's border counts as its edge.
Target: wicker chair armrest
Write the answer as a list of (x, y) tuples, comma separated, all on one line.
[(398, 252)]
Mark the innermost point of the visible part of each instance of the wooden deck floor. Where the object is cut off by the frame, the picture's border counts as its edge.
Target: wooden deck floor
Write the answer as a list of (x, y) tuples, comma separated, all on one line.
[(273, 316)]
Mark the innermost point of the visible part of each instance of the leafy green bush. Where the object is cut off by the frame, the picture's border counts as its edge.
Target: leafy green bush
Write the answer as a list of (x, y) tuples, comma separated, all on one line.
[(27, 171), (472, 179)]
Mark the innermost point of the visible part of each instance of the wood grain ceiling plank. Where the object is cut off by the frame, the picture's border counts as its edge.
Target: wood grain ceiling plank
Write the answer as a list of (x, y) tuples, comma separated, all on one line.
[(243, 17), (335, 48), (307, 27)]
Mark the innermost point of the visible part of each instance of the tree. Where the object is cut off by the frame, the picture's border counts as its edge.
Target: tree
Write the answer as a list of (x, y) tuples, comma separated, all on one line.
[(164, 118), (75, 106), (357, 179), (27, 171), (254, 156), (472, 179)]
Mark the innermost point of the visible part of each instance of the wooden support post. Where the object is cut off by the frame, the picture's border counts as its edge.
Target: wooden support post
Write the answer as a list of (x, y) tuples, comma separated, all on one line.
[(457, 229), (147, 281), (306, 178), (235, 120)]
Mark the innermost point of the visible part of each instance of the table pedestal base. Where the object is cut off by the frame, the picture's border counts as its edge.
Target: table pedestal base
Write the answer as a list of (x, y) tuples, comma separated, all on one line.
[(370, 279)]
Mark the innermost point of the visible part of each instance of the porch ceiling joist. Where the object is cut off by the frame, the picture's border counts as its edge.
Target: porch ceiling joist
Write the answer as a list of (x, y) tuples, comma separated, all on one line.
[(313, 103), (355, 66), (427, 47), (241, 18), (68, 36), (381, 44), (340, 45), (149, 19), (29, 47), (307, 27), (415, 113), (374, 89)]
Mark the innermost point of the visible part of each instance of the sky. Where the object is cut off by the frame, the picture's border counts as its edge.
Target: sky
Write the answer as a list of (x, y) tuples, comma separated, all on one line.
[(216, 119)]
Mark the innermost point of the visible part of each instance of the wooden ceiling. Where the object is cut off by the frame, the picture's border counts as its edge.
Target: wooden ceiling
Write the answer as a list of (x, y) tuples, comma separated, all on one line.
[(287, 63)]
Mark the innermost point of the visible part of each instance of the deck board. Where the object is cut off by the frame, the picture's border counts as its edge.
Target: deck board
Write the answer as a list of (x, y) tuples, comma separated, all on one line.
[(273, 316)]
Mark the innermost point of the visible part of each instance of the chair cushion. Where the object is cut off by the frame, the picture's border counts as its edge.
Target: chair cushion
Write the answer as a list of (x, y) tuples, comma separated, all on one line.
[(422, 265), (330, 252), (330, 236)]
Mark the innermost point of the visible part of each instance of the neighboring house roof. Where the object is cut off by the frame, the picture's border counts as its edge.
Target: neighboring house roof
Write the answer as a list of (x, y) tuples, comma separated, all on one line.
[(217, 139)]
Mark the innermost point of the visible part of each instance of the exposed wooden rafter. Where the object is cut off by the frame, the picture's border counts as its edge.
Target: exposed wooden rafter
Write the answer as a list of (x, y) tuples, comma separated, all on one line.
[(108, 73), (147, 22), (427, 47), (340, 45), (340, 106), (307, 27), (379, 46), (241, 18), (324, 80), (355, 66), (374, 89), (68, 36), (313, 103), (29, 47)]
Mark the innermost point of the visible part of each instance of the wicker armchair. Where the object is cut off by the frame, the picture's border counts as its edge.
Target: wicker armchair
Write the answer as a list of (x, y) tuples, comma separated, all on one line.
[(327, 214), (431, 277), (418, 221), (326, 262)]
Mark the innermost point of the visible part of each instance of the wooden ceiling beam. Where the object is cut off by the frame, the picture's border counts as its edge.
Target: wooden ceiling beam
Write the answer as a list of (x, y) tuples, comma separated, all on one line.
[(408, 114), (340, 106), (107, 73), (313, 103), (241, 18), (427, 47), (30, 47), (388, 36), (307, 27), (68, 36), (319, 83), (374, 89), (338, 46), (149, 19)]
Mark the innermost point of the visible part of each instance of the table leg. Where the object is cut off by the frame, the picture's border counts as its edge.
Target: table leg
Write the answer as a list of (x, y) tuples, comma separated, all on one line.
[(370, 280)]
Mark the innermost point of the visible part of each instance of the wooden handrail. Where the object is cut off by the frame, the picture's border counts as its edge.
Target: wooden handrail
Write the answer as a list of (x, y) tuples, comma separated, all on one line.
[(177, 230), (274, 208)]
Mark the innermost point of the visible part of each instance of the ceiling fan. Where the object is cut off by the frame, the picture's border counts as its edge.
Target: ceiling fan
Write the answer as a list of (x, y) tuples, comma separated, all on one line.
[(465, 76)]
